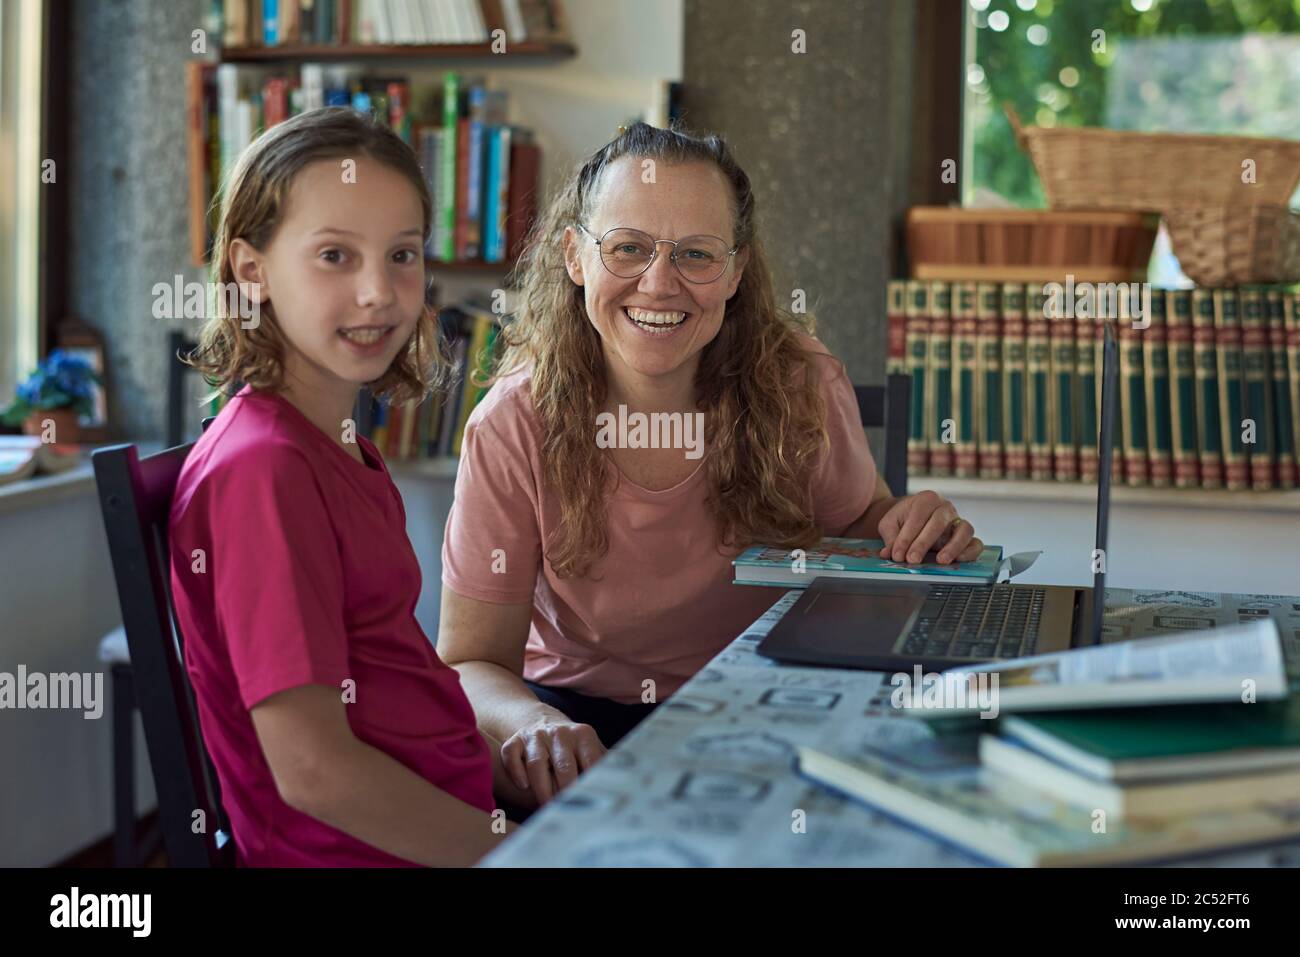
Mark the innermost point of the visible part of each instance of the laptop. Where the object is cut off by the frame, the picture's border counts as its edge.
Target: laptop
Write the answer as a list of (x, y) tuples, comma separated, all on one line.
[(882, 626)]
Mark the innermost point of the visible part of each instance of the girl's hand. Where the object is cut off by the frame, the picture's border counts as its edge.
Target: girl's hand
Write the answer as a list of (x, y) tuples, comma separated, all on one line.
[(548, 754), (918, 524)]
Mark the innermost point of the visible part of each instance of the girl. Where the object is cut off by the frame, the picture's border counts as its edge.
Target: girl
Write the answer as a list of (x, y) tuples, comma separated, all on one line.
[(338, 736), (582, 584)]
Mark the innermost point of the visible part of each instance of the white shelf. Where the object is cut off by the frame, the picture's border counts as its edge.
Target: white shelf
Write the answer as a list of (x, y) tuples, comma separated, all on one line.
[(1285, 501)]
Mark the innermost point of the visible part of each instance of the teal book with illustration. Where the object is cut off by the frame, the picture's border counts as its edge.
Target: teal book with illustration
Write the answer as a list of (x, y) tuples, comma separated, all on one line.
[(856, 558)]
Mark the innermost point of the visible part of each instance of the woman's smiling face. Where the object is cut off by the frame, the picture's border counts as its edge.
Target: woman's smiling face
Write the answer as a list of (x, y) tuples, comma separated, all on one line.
[(680, 200)]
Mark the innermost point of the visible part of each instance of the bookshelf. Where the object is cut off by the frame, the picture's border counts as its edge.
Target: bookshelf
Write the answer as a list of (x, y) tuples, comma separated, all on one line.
[(540, 50)]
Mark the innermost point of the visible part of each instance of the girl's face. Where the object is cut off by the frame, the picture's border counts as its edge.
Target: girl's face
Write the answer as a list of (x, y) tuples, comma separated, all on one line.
[(345, 272), (667, 201)]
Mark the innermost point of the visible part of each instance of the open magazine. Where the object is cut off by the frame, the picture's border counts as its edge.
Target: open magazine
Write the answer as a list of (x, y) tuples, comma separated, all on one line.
[(1234, 663)]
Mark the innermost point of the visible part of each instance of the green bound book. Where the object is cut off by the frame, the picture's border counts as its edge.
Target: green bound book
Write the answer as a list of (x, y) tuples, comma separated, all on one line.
[(1169, 741), (1182, 387), (1257, 387), (1283, 434), (1232, 413), (988, 379), (1208, 434), (1155, 368), (917, 340), (1014, 404)]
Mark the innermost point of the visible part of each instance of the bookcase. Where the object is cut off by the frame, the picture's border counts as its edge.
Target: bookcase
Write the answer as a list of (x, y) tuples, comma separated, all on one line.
[(417, 65)]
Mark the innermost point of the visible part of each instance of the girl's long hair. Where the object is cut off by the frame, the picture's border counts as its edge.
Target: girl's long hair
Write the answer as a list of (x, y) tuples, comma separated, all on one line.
[(756, 384), (254, 194)]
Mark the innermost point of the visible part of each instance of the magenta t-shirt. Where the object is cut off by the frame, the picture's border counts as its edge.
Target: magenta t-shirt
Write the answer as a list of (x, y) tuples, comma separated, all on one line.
[(306, 576), (661, 602)]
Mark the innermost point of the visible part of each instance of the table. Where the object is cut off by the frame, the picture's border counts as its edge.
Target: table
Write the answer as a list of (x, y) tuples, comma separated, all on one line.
[(708, 779)]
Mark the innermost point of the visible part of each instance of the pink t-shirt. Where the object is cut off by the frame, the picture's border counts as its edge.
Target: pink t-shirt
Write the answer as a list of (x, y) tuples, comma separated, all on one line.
[(664, 603), (307, 577)]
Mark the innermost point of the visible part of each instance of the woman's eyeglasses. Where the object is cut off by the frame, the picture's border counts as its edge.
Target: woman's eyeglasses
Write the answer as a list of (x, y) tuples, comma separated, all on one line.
[(627, 253)]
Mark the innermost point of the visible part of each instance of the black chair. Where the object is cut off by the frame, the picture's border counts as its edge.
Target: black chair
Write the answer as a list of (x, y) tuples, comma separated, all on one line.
[(887, 407), (135, 496), (177, 343)]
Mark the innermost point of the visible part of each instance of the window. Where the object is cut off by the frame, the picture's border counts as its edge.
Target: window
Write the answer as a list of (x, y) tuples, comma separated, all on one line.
[(21, 48), (1187, 66)]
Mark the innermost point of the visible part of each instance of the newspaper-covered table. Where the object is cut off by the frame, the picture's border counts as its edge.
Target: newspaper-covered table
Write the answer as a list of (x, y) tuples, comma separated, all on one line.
[(708, 780)]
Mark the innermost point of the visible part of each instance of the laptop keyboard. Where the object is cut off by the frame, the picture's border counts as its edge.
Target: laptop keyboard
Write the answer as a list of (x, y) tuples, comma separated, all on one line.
[(977, 621)]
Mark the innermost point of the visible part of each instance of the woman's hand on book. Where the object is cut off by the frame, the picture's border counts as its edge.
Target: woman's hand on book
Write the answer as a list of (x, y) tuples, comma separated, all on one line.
[(918, 524)]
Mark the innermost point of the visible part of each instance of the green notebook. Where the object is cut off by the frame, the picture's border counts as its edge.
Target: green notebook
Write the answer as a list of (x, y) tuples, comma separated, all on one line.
[(1168, 741)]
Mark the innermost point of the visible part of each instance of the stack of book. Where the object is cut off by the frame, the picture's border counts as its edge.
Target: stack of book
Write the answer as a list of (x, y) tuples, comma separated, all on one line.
[(248, 23), (482, 172), (434, 428), (1131, 752), (1006, 383)]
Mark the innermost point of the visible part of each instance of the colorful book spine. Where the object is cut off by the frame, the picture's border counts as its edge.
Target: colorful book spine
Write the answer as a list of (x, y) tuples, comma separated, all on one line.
[(1038, 369), (1261, 452), (918, 340), (1227, 337), (1065, 420), (1292, 319), (988, 379), (474, 187), (896, 318), (1155, 368), (940, 431), (1086, 393), (1099, 324), (1283, 426), (965, 369), (1133, 401), (447, 167), (1208, 433), (1015, 388), (1182, 387)]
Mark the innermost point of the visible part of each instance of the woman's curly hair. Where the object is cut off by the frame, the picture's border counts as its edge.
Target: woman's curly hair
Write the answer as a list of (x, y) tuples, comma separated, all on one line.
[(757, 384)]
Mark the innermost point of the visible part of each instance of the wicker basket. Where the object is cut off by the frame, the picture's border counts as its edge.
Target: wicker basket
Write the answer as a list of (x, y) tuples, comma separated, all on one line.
[(1230, 245), (1093, 168)]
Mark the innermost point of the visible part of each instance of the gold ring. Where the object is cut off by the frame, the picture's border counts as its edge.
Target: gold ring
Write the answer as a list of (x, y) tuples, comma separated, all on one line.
[(956, 521)]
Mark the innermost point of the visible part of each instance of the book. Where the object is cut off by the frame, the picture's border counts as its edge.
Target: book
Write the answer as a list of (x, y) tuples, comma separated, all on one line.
[(896, 326), (940, 428), (1014, 382), (1061, 336), (1087, 390), (855, 558), (1227, 342), (522, 192), (1209, 436), (1208, 664), (1292, 322), (1182, 387), (1132, 395), (1155, 371), (934, 780), (1283, 427), (1256, 389), (446, 195), (918, 342), (1005, 755), (988, 379), (964, 369), (1038, 374), (1168, 742)]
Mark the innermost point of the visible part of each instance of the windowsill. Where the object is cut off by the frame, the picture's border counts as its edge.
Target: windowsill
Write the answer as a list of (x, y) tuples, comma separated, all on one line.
[(43, 490), (1285, 501)]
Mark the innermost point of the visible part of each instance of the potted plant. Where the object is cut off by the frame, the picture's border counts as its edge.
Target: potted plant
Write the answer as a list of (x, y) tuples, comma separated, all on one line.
[(61, 389)]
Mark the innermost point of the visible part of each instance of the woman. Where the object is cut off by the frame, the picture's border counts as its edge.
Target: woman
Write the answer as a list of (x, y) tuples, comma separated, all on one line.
[(582, 583)]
